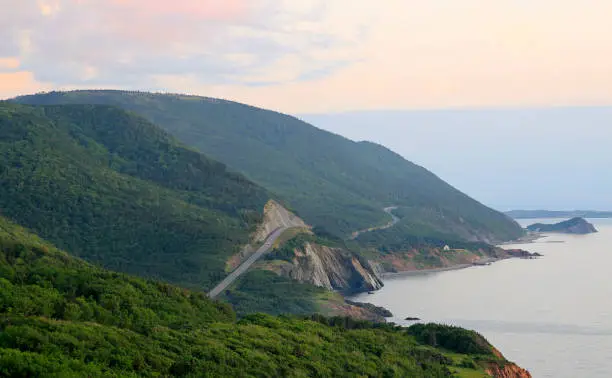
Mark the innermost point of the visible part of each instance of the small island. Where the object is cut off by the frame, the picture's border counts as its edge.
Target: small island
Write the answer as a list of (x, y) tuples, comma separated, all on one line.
[(575, 225)]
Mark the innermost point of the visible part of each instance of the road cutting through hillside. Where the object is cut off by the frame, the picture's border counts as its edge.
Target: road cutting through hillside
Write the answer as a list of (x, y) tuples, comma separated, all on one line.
[(267, 246), (393, 222)]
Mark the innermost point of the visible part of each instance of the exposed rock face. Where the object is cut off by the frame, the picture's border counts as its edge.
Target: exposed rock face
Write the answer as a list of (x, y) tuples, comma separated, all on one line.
[(378, 310), (505, 368), (353, 311), (572, 226), (332, 268), (276, 216), (508, 370)]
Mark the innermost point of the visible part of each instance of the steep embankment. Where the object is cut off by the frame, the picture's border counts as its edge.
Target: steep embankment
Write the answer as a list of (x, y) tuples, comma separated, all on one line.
[(275, 217), (114, 189), (332, 182)]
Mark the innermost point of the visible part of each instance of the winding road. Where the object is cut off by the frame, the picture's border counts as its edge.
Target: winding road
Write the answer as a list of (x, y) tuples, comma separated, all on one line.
[(269, 242), (227, 281), (393, 222)]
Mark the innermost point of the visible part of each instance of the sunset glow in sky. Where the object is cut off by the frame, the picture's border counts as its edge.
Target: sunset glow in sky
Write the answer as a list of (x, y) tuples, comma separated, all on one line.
[(316, 56)]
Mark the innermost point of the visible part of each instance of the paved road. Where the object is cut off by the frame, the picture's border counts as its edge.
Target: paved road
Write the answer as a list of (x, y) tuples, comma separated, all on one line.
[(247, 263), (393, 222)]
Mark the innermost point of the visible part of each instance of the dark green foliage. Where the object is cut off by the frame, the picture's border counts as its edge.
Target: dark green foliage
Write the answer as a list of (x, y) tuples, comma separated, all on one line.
[(61, 317), (451, 338), (574, 225), (403, 238), (264, 291), (333, 182), (38, 280), (112, 188)]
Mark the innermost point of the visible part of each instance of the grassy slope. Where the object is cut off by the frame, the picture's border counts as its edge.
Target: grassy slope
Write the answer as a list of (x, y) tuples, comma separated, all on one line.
[(112, 188), (332, 182), (62, 317)]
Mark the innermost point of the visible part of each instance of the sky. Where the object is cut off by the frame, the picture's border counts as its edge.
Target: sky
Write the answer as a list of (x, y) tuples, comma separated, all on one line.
[(399, 61), (547, 158), (314, 56)]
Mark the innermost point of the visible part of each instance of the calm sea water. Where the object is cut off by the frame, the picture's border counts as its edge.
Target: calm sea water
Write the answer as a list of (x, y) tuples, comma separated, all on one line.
[(552, 316)]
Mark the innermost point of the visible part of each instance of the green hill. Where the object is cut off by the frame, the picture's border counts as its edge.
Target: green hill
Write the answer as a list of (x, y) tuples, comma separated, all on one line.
[(61, 317), (112, 188), (331, 181)]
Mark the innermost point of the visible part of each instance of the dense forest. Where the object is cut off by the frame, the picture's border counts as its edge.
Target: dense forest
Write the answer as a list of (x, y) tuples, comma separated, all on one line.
[(114, 189), (62, 317), (332, 182)]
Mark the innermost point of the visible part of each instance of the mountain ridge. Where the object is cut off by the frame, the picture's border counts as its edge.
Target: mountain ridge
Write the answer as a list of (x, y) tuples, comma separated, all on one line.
[(331, 181)]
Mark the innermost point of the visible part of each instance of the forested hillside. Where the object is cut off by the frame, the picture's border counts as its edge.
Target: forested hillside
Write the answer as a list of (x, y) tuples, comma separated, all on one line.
[(61, 317), (331, 181), (112, 188)]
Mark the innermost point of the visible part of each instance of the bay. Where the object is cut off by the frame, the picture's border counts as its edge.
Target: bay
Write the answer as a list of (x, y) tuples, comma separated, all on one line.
[(552, 316)]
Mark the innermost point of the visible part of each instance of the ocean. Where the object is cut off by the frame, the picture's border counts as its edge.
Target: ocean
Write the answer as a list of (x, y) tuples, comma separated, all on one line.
[(552, 315)]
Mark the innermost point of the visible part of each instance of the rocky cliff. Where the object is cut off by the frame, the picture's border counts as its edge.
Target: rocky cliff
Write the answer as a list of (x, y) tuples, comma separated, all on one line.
[(575, 225), (508, 370), (426, 258), (275, 216), (505, 368), (328, 267)]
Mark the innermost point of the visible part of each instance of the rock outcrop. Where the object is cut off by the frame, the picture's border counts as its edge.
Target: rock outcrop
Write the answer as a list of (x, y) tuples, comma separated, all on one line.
[(508, 370), (275, 216), (572, 226), (329, 267)]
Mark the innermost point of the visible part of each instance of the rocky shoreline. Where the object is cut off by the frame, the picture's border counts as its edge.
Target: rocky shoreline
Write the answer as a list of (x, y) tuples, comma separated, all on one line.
[(511, 254)]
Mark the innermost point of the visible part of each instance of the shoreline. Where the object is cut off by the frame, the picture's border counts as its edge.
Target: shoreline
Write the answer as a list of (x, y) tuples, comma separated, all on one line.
[(432, 270), (529, 238)]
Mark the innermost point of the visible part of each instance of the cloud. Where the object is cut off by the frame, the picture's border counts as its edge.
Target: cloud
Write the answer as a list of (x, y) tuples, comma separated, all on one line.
[(321, 55), (9, 64), (133, 43), (16, 83)]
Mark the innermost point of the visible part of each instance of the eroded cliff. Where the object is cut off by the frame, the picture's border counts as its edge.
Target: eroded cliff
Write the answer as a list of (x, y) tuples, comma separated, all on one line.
[(324, 266), (508, 370), (276, 216)]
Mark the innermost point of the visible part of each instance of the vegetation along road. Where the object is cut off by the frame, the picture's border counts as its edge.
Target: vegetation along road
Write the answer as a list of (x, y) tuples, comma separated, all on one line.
[(227, 281), (392, 223)]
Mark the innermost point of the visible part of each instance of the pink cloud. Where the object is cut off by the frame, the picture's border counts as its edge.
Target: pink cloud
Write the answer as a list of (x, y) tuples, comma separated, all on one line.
[(213, 10), (16, 83), (9, 63)]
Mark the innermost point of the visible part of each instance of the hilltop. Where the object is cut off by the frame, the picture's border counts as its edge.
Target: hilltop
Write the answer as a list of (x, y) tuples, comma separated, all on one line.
[(330, 181), (572, 226)]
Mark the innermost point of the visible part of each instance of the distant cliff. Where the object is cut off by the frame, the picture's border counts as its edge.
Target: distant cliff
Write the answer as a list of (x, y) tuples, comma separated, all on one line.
[(532, 214), (306, 259), (572, 226)]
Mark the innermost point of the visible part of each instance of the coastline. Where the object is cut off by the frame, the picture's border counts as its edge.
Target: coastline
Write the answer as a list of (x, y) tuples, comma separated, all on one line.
[(529, 238), (406, 273), (482, 262)]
